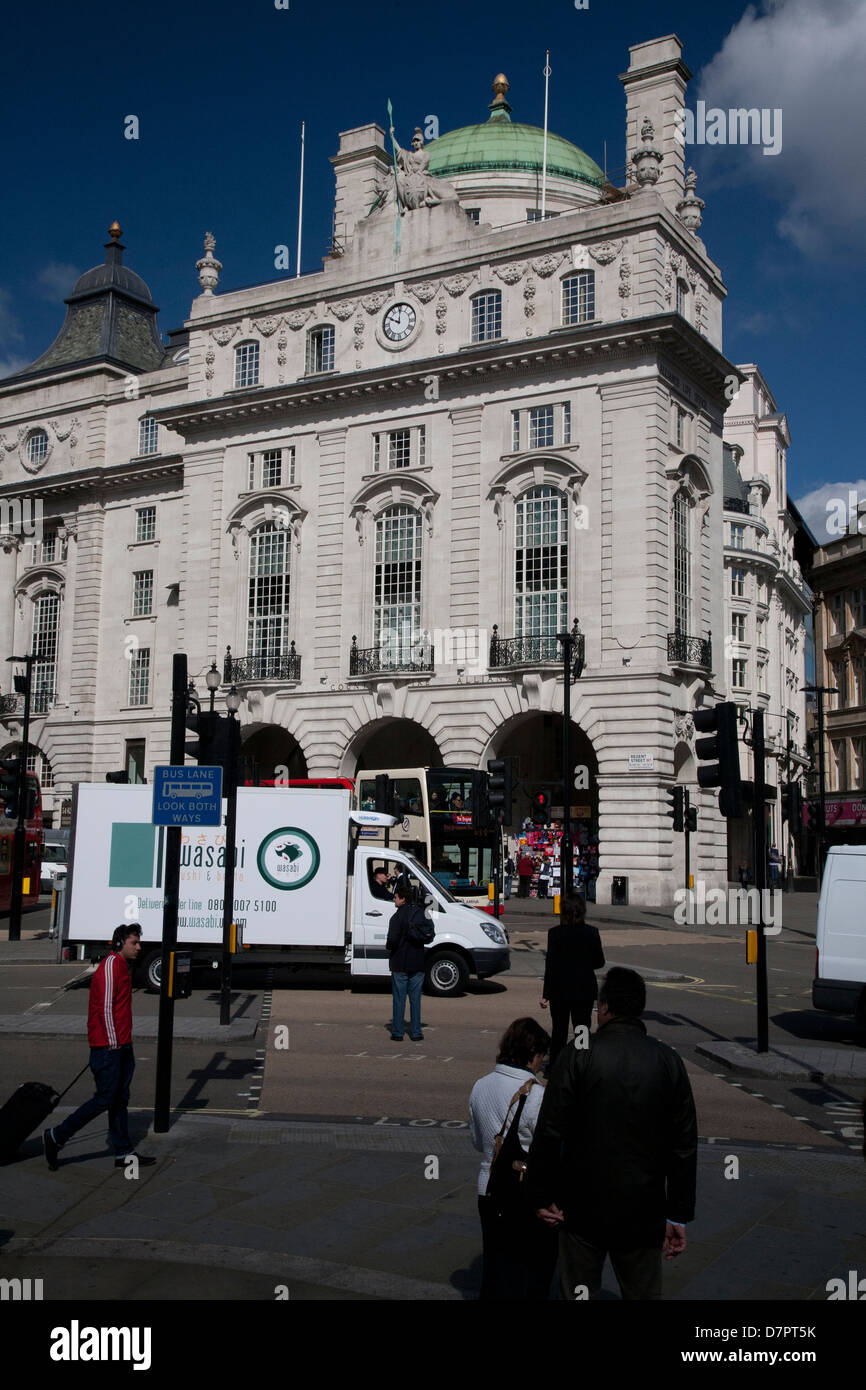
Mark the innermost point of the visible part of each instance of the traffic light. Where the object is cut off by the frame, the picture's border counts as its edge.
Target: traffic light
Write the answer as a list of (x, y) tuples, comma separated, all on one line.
[(692, 819), (813, 816), (792, 804), (205, 723), (480, 802), (117, 776), (499, 790), (10, 785), (541, 808), (677, 797), (384, 795), (723, 753)]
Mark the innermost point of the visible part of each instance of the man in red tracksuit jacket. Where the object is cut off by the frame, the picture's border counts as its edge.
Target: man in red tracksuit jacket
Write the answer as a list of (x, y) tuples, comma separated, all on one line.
[(109, 1032)]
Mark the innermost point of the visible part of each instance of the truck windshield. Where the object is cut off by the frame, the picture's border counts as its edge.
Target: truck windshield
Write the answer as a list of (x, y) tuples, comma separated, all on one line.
[(431, 884)]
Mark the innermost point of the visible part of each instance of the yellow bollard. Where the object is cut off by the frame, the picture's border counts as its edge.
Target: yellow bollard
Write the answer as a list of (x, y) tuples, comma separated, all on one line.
[(556, 901), (751, 947)]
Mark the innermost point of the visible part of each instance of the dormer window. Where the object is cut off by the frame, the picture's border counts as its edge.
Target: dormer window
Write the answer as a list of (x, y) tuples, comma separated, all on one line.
[(246, 364)]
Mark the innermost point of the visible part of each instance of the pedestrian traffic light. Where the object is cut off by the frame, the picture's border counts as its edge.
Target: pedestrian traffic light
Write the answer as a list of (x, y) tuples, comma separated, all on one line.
[(723, 753), (204, 749), (813, 816), (10, 785), (480, 802), (384, 795), (692, 819), (499, 790), (792, 804), (541, 808), (676, 795)]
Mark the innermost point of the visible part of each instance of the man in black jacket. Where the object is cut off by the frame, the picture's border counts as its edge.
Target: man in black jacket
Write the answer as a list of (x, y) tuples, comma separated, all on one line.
[(574, 954), (614, 1158), (406, 963)]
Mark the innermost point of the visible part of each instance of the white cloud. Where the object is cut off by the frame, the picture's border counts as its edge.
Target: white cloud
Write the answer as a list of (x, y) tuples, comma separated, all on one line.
[(828, 510), (55, 280), (806, 57)]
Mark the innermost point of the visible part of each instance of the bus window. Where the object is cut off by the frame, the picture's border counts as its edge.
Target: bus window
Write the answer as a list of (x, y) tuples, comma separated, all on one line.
[(407, 795)]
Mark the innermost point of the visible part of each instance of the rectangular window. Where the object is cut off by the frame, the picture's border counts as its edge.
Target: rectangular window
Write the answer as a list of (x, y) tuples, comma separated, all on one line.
[(680, 426), (487, 316), (147, 435), (515, 430), (399, 448), (761, 632), (840, 770), (578, 297), (268, 598), (422, 445), (837, 612), (858, 749), (320, 349), (858, 667), (139, 677), (48, 549), (858, 607), (566, 423), (541, 569), (135, 760), (272, 468), (840, 680), (247, 365), (682, 298), (474, 214), (541, 427), (142, 593), (397, 581), (738, 673), (762, 676), (145, 523), (738, 627), (738, 534), (738, 583), (46, 619), (533, 214), (251, 472), (682, 565)]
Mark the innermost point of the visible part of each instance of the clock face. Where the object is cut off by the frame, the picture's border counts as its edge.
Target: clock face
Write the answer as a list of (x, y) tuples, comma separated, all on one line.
[(399, 322)]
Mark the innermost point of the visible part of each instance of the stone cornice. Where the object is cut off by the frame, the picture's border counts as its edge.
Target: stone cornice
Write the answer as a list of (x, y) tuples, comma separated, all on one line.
[(96, 479), (481, 364)]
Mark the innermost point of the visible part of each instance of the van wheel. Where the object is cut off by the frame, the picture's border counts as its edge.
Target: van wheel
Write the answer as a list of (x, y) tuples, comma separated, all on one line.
[(150, 971), (447, 975)]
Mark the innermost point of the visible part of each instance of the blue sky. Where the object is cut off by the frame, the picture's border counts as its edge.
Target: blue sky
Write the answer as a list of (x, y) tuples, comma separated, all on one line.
[(220, 92)]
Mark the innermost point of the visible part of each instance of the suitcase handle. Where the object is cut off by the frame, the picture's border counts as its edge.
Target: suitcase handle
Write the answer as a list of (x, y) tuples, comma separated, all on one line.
[(72, 1083)]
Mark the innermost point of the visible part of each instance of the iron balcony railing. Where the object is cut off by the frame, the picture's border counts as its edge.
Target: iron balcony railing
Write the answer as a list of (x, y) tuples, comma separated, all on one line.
[(374, 661), (9, 703), (244, 669), (523, 651), (690, 651)]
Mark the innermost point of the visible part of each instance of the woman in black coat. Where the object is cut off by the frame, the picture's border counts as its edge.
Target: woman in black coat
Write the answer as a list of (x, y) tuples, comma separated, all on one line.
[(574, 954)]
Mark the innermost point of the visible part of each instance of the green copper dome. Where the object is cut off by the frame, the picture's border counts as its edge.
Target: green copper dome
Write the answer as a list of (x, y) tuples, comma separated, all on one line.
[(500, 144)]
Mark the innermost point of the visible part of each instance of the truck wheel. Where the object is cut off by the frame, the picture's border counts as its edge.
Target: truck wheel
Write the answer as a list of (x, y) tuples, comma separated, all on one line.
[(150, 970), (447, 975)]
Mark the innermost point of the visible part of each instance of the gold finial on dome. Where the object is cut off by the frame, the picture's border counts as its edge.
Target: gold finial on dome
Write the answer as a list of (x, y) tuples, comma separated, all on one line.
[(115, 231), (500, 87)]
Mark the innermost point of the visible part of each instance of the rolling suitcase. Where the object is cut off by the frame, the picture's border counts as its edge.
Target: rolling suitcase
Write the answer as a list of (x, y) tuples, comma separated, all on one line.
[(25, 1111)]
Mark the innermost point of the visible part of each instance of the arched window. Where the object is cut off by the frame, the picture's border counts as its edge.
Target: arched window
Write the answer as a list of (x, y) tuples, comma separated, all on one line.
[(397, 585), (320, 349), (578, 297), (37, 447), (247, 364), (46, 621), (487, 316), (682, 563), (541, 564), (268, 599)]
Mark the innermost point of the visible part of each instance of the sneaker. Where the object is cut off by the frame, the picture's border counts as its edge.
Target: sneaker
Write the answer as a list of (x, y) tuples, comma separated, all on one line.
[(52, 1149), (144, 1160), (416, 1037), (396, 1037)]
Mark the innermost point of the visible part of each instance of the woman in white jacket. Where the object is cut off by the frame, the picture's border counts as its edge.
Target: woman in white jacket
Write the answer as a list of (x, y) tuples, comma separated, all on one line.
[(518, 1252)]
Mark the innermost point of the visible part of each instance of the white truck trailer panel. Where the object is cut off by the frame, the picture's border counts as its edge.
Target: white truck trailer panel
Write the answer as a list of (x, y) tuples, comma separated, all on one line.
[(290, 872)]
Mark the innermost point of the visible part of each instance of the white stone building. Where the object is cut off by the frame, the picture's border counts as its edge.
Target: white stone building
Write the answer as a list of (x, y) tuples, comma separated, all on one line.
[(767, 602), (386, 485)]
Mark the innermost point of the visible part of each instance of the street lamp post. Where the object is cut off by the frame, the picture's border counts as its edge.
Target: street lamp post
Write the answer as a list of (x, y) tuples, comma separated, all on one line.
[(233, 702), (19, 840), (821, 691), (573, 660)]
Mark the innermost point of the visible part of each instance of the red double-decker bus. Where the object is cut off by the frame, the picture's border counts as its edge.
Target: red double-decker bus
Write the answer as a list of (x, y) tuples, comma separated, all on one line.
[(32, 850)]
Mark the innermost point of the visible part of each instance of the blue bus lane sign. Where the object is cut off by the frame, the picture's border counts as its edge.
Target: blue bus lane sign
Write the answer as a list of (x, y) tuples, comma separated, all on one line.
[(187, 795)]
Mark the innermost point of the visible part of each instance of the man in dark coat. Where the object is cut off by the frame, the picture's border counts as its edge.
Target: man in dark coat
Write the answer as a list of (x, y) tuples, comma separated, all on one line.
[(406, 963), (614, 1159), (574, 954)]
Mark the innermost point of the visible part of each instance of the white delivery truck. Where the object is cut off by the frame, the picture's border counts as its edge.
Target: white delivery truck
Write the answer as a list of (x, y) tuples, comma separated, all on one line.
[(840, 956), (304, 892)]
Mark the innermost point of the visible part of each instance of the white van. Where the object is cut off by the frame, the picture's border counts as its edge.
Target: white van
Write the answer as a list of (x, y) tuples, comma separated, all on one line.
[(840, 959), (304, 890)]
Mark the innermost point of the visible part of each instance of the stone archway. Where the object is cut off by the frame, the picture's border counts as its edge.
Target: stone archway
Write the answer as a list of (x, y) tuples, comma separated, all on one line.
[(267, 750), (534, 741), (391, 743)]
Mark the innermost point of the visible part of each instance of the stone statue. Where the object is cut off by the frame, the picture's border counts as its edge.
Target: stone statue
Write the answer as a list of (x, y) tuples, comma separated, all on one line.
[(415, 185)]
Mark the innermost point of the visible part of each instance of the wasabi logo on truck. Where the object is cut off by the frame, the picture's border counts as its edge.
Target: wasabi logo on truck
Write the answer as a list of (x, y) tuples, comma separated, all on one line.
[(288, 858)]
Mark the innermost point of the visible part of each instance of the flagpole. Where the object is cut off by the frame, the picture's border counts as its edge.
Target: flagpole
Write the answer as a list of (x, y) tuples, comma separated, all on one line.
[(398, 206), (301, 202), (544, 151)]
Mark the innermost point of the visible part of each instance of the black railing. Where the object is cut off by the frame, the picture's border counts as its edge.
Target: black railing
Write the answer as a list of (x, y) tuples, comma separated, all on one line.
[(373, 661), (523, 651), (736, 504), (242, 670), (691, 651)]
